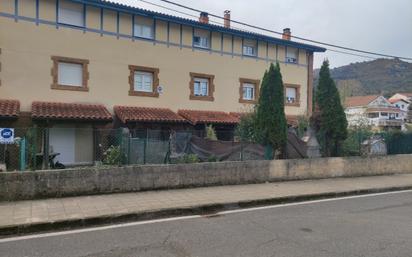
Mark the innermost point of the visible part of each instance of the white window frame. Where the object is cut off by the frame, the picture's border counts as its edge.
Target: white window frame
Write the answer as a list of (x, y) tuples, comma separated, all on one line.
[(249, 50), (203, 42), (71, 13), (139, 30), (248, 86), (198, 89), (292, 58), (71, 68), (291, 100), (143, 76)]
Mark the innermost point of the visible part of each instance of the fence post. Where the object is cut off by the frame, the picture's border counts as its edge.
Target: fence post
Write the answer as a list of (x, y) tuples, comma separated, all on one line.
[(241, 150), (145, 146), (34, 149), (22, 161), (128, 146), (45, 148)]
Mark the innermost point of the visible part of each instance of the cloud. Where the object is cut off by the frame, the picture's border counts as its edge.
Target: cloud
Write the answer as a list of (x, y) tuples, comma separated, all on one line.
[(383, 26)]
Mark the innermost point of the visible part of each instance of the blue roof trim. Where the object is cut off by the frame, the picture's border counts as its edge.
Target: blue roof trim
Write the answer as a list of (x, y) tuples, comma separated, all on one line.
[(196, 24)]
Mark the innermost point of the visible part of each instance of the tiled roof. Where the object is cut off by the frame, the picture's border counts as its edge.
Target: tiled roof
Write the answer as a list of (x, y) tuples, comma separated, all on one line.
[(118, 6), (9, 108), (69, 111), (292, 120), (383, 109), (238, 115), (144, 114), (359, 100), (394, 100), (201, 117)]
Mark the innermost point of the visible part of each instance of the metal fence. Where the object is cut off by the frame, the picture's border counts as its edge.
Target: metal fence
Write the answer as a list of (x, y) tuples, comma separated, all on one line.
[(55, 148)]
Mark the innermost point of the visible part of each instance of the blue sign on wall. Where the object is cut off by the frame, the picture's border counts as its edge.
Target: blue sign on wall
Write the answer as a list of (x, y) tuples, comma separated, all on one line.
[(6, 135)]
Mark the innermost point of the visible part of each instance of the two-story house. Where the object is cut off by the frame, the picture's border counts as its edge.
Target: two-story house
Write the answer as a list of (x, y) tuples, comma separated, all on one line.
[(71, 64), (372, 110), (402, 101)]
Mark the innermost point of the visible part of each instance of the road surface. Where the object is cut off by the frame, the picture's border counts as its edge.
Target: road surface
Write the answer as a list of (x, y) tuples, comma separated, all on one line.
[(373, 225)]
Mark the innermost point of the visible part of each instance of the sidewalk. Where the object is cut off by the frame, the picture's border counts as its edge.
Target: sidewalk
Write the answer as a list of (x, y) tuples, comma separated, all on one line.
[(50, 214)]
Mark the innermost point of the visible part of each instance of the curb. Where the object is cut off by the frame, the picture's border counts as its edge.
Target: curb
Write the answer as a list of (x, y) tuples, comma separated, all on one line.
[(205, 210)]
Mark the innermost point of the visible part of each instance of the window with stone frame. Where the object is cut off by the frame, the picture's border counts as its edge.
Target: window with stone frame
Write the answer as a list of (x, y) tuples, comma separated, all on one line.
[(143, 81), (292, 95), (248, 90), (201, 86), (70, 73)]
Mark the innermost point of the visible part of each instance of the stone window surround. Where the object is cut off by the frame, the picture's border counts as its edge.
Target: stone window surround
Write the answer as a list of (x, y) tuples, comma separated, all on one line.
[(211, 85), (256, 92), (55, 72), (154, 71), (297, 87)]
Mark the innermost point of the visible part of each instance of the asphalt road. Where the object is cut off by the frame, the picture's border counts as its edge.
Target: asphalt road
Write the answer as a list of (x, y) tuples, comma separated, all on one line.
[(376, 225)]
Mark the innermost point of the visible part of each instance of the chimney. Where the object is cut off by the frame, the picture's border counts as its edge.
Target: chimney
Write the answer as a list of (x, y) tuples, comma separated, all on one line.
[(286, 34), (226, 18), (204, 17)]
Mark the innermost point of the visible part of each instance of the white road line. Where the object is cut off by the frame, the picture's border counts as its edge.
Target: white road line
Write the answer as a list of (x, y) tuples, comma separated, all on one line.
[(138, 223)]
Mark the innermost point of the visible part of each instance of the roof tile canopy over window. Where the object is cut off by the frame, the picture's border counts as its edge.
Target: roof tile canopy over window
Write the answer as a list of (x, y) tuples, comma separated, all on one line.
[(69, 73), (143, 81), (201, 87), (143, 27), (292, 55), (71, 13), (248, 90), (201, 38), (292, 95)]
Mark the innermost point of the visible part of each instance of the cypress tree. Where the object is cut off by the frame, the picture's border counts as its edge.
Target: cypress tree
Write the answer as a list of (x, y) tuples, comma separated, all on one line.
[(271, 123), (333, 123)]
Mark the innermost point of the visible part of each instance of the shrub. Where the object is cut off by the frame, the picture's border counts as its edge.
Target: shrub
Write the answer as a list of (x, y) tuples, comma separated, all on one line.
[(212, 158), (246, 129), (113, 156), (188, 158), (210, 133)]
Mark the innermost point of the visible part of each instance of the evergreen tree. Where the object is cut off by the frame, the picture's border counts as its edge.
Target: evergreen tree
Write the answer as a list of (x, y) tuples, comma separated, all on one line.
[(271, 123), (332, 118)]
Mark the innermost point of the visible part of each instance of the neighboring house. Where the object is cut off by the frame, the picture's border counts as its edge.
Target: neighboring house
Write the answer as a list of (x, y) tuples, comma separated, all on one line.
[(403, 106), (90, 64), (403, 96), (372, 110)]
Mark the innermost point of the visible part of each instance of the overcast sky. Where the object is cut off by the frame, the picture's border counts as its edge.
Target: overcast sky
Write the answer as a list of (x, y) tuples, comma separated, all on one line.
[(383, 26)]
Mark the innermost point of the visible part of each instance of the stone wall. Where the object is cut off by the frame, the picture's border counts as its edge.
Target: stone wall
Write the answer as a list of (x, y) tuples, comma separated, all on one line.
[(85, 181)]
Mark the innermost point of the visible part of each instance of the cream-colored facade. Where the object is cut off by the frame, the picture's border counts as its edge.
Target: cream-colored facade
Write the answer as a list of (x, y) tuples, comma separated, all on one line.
[(30, 36)]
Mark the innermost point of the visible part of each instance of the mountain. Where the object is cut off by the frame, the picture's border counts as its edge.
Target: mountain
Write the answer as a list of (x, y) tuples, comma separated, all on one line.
[(380, 76)]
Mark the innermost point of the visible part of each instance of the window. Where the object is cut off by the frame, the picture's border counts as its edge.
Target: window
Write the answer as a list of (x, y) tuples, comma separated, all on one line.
[(249, 47), (249, 50), (373, 115), (71, 13), (201, 86), (201, 39), (248, 91), (144, 81), (291, 55), (385, 114), (143, 27), (292, 95), (69, 73)]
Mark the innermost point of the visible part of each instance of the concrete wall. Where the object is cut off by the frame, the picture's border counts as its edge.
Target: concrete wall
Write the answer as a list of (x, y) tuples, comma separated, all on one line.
[(58, 183), (26, 50)]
